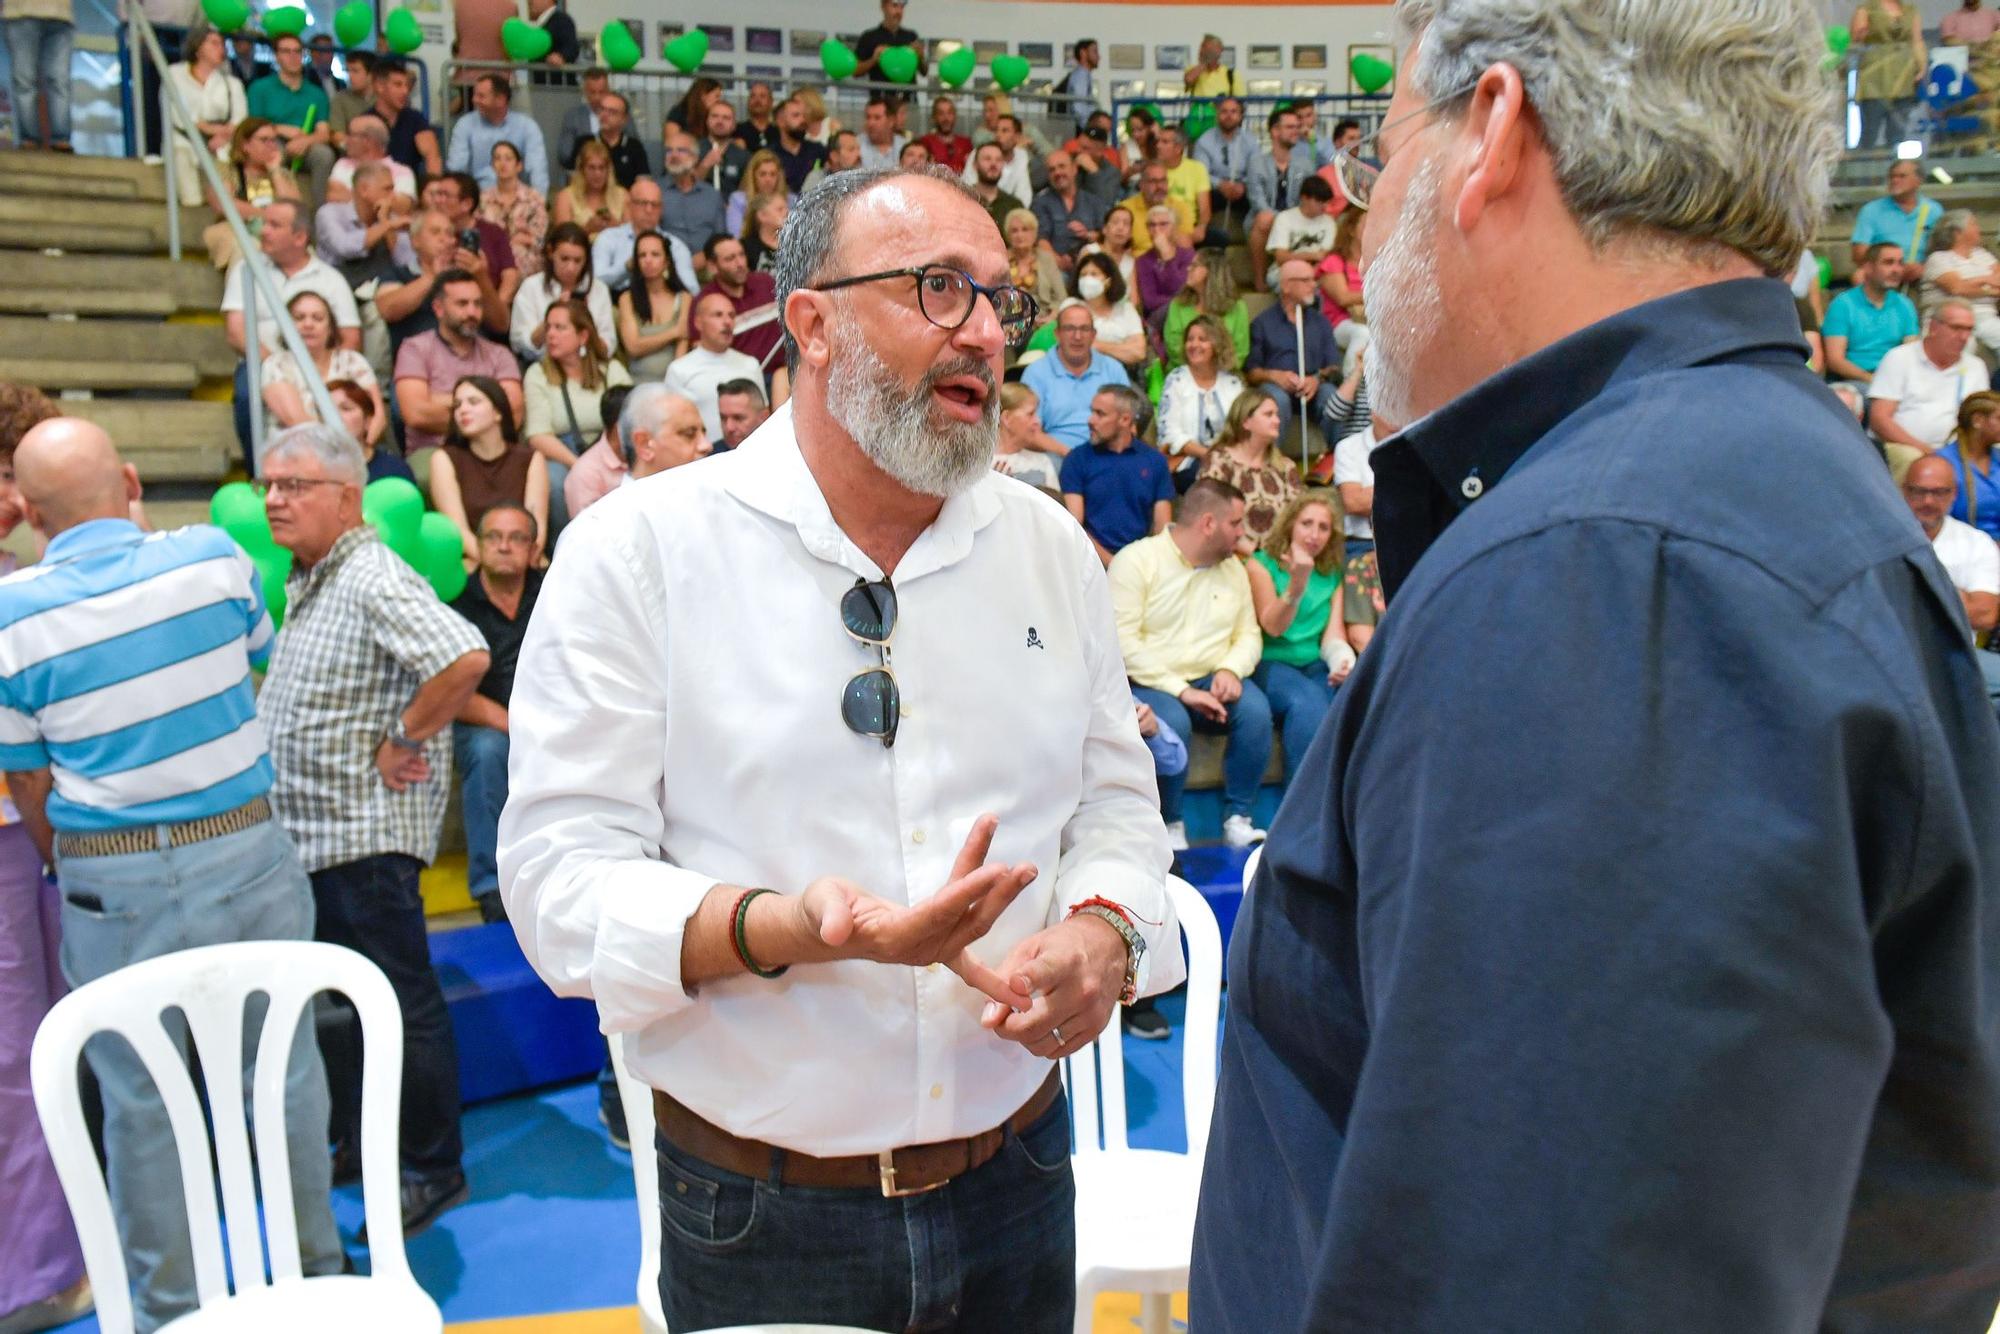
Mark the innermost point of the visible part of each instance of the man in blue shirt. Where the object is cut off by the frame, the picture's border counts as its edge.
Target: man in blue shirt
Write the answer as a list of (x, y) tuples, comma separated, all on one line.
[(1624, 956), (494, 122), (129, 735), (1118, 486), (1068, 377), (1903, 216), (1868, 319), (1293, 356)]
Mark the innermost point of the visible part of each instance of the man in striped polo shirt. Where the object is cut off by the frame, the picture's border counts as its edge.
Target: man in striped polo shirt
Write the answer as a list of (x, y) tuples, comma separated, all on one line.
[(130, 738)]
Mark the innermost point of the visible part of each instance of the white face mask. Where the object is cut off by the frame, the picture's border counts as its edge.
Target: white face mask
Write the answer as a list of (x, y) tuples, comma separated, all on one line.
[(1090, 287)]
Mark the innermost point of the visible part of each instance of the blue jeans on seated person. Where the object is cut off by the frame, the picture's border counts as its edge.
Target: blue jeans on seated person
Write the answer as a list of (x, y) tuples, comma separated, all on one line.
[(121, 909), (1321, 401), (993, 1252), (1243, 763), (1299, 699), (480, 753)]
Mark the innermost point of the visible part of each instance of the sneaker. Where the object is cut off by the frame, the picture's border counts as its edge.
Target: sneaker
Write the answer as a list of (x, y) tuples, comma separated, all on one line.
[(1143, 1020), (1238, 832), (1177, 835), (611, 1114)]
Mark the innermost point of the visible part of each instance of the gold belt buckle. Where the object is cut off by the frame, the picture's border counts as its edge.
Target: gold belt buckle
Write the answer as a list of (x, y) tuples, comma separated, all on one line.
[(885, 1167)]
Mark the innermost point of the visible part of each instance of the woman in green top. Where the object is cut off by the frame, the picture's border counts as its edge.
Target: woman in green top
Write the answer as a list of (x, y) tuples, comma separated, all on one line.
[(1210, 289), (1295, 585), (1893, 63)]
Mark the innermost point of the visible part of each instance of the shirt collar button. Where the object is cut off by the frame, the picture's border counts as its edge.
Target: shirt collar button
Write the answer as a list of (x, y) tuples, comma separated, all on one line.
[(1471, 488)]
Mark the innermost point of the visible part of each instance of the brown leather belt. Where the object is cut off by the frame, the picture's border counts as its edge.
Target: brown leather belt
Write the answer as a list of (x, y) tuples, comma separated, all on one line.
[(146, 837), (907, 1171)]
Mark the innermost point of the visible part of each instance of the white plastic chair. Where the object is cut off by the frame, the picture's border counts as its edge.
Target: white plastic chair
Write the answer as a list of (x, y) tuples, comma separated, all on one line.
[(1135, 1207), (1250, 866), (210, 987), (638, 1100)]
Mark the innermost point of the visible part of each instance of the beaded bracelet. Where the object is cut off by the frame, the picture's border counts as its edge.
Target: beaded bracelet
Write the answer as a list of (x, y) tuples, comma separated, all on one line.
[(739, 935)]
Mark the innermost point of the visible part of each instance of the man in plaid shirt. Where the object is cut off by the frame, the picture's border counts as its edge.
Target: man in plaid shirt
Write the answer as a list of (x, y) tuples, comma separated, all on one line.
[(367, 674)]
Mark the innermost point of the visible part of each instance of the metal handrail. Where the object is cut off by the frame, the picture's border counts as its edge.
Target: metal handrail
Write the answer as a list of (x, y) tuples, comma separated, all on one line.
[(256, 284)]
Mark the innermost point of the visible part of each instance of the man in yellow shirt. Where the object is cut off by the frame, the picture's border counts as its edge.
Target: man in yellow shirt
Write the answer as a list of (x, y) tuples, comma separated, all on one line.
[(1187, 180), (1189, 633), (1208, 78), (1154, 190)]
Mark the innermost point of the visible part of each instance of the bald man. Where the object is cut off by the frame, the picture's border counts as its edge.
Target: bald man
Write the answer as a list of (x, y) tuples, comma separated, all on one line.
[(152, 803), (699, 372), (1294, 356)]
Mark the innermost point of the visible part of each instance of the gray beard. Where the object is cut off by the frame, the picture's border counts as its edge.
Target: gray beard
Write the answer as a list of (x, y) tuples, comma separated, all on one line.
[(893, 425), (1405, 308)]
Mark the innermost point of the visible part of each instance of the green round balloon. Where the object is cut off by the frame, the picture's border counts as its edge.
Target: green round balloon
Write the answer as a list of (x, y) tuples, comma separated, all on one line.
[(616, 48), (238, 510), (226, 15), (273, 568), (523, 41), (288, 21), (1371, 72), (1010, 72), (354, 24), (957, 67), (836, 59), (898, 64), (1838, 38), (403, 33), (442, 555), (686, 52), (395, 507)]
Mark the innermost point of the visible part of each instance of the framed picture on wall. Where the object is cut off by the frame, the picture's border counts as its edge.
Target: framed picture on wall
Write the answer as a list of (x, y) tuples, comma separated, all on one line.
[(1132, 88), (1170, 88), (1380, 52), (987, 50), (764, 41), (1170, 57), (1309, 57), (1267, 57), (721, 37), (1040, 55), (1308, 88), (1126, 55), (763, 72), (805, 41), (1229, 57), (668, 31), (1265, 87)]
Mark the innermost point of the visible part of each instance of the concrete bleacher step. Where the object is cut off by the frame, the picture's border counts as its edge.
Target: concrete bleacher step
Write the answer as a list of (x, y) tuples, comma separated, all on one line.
[(58, 219), (166, 440), (82, 301), (203, 347), (82, 176), (51, 374), (192, 284), (18, 233)]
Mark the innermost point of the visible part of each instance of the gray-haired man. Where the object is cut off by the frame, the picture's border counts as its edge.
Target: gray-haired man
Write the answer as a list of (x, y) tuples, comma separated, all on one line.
[(1624, 956)]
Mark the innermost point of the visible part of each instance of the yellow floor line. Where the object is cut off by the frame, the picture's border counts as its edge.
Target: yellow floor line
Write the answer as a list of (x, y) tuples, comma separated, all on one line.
[(1117, 1313)]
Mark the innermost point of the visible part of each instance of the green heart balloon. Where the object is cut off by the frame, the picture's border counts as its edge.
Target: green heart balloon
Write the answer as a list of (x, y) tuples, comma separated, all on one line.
[(1010, 72), (441, 555), (226, 15), (238, 510), (836, 59), (898, 64), (1371, 73), (616, 48), (1838, 38), (403, 33), (686, 52), (523, 41), (287, 21), (396, 508), (354, 24), (957, 67), (1825, 272), (273, 568)]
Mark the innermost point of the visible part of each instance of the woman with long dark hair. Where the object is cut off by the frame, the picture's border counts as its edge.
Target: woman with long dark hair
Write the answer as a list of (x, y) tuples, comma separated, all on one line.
[(484, 461), (653, 311), (565, 274)]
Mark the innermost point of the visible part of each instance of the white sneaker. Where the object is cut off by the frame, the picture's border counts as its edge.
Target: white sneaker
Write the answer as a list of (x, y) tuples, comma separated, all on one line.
[(1238, 832), (1177, 835)]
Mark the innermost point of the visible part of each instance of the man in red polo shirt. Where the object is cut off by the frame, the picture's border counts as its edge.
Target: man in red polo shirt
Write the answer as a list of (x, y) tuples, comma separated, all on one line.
[(755, 296)]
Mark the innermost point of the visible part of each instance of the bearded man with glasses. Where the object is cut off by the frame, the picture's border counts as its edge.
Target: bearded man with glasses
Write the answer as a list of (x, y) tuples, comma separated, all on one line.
[(773, 808), (1624, 956)]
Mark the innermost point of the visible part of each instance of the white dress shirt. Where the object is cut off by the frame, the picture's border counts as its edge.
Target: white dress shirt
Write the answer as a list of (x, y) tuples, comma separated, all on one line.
[(1014, 177), (676, 724), (1926, 395)]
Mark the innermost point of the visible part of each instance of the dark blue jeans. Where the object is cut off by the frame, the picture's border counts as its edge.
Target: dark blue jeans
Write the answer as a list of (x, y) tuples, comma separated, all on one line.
[(994, 1252), (1299, 699), (1243, 763), (481, 756), (374, 907)]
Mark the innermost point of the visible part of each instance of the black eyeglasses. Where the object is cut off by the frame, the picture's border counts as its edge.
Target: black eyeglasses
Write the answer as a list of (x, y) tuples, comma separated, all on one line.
[(870, 704), (947, 295)]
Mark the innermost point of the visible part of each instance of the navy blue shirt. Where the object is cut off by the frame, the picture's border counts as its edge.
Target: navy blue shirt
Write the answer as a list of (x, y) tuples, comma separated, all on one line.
[(1274, 343), (1119, 490), (1626, 954)]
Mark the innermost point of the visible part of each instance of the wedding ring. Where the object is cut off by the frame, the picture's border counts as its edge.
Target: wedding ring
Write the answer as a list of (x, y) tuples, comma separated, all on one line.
[(1056, 1033)]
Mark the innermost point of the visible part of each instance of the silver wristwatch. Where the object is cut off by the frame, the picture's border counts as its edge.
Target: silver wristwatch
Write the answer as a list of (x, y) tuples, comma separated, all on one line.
[(1135, 950), (400, 739)]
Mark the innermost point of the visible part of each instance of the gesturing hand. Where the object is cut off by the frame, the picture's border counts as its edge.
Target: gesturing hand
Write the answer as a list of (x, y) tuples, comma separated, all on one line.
[(853, 924), (1073, 971), (1205, 704)]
